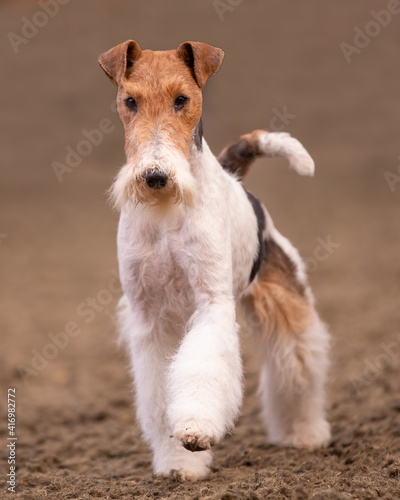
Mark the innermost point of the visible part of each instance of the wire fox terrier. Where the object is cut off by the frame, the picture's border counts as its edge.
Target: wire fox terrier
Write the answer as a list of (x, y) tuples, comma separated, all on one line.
[(192, 244)]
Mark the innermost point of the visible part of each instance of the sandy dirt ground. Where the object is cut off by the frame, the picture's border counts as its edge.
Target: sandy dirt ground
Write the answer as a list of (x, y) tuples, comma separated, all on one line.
[(284, 68)]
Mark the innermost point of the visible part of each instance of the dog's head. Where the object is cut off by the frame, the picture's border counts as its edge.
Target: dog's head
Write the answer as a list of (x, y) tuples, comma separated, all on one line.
[(159, 102)]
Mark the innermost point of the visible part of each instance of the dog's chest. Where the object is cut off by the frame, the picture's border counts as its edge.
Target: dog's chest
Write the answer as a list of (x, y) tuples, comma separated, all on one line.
[(151, 268)]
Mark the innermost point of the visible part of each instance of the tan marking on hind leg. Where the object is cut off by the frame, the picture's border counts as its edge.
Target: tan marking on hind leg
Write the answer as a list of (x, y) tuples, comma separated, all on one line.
[(280, 309), (277, 297), (294, 346)]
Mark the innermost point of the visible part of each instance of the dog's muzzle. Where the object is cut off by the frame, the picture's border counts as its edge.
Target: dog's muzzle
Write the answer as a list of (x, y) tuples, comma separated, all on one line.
[(156, 179)]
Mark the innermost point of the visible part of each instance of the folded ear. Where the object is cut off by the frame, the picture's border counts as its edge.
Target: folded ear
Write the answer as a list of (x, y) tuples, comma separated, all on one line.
[(118, 61), (204, 60)]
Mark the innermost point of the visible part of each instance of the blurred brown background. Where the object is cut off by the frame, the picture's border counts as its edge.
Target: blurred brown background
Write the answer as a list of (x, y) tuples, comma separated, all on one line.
[(284, 69)]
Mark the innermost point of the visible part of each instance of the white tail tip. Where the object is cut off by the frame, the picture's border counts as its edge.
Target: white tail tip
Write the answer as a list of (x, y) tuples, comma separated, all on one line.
[(284, 145)]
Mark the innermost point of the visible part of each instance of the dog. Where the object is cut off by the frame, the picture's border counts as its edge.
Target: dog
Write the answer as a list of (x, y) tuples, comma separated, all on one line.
[(192, 245)]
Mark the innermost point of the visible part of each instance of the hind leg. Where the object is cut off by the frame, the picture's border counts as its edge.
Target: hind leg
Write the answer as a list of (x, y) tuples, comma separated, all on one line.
[(292, 383), (294, 345)]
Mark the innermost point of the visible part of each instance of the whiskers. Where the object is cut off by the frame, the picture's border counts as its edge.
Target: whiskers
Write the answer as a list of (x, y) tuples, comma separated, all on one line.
[(130, 188)]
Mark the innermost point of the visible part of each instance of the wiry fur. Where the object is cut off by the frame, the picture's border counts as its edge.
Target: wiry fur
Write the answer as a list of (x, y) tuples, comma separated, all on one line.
[(184, 274), (130, 187)]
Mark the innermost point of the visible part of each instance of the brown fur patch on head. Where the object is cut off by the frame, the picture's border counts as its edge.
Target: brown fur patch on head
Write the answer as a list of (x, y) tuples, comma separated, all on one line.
[(277, 297), (156, 80), (159, 102)]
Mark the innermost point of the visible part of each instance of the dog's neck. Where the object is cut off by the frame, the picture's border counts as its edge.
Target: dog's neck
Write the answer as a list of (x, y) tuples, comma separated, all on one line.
[(203, 162), (204, 165)]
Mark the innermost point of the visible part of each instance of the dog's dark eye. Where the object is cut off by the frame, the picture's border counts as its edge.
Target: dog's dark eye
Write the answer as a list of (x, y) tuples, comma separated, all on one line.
[(131, 103), (180, 102)]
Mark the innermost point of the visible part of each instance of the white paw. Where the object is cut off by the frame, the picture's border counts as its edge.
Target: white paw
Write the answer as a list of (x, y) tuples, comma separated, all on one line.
[(309, 436), (175, 461), (185, 474), (195, 435), (190, 474)]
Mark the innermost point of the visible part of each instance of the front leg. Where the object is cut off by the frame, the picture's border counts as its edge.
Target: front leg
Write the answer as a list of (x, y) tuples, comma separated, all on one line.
[(204, 383), (150, 346)]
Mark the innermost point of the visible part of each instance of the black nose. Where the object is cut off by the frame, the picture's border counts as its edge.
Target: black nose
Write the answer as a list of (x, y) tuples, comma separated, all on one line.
[(156, 180)]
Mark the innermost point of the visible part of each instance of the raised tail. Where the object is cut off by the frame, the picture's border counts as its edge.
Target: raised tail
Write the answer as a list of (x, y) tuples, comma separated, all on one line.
[(238, 157)]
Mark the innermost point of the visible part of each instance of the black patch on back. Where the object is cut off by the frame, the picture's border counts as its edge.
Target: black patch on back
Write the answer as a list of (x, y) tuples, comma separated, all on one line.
[(261, 222), (198, 135)]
